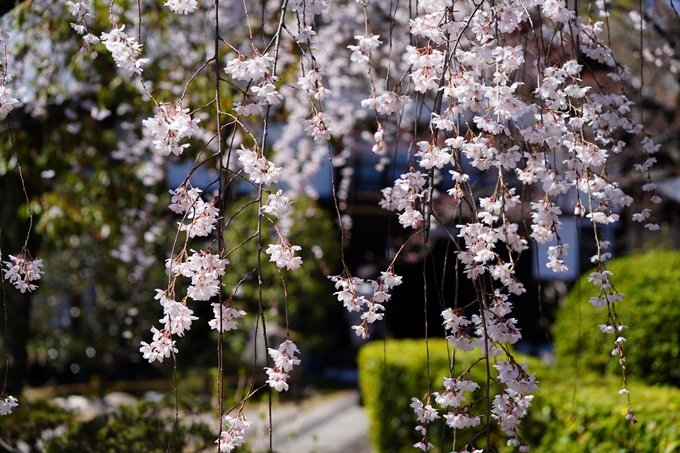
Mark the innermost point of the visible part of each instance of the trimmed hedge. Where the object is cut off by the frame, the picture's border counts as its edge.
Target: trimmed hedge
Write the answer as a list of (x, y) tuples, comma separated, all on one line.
[(591, 418), (567, 415), (650, 308), (387, 389)]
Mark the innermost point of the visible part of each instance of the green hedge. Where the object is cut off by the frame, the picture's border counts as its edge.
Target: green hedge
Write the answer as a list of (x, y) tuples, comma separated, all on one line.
[(650, 309), (569, 413), (387, 389), (591, 418)]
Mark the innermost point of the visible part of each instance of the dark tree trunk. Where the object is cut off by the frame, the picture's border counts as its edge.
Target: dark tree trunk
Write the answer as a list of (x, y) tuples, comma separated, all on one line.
[(18, 306)]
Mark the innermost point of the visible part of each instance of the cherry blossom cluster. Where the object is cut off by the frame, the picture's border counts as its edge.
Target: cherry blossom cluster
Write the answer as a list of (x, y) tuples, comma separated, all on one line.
[(162, 346), (21, 271), (608, 296), (177, 319), (224, 317), (432, 156), (318, 126), (257, 70), (508, 409), (493, 328), (452, 397), (80, 9), (202, 215), (284, 359), (480, 241), (425, 414), (259, 169), (170, 126), (494, 322), (264, 94), (7, 404), (177, 316), (278, 205), (7, 99), (494, 325), (126, 51), (348, 293), (312, 84), (515, 377), (406, 195), (362, 52), (427, 64), (263, 172), (249, 69), (205, 270), (386, 103), (556, 253), (459, 335), (545, 220), (482, 237), (283, 255), (232, 436), (182, 6)]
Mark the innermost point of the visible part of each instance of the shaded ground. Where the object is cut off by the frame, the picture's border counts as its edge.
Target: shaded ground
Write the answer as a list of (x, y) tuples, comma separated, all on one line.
[(328, 424)]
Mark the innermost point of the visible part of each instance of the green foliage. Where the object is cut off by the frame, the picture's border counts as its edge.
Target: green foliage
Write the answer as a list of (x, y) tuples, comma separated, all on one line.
[(570, 412), (650, 309), (146, 428), (29, 420), (570, 418), (311, 305), (85, 202), (387, 387)]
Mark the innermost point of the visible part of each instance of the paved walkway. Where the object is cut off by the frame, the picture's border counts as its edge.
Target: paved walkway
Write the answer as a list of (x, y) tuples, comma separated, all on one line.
[(329, 424)]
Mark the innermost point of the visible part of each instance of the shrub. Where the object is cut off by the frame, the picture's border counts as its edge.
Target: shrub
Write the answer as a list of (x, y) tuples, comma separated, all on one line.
[(650, 308), (570, 418), (568, 414), (29, 421), (145, 428), (388, 386)]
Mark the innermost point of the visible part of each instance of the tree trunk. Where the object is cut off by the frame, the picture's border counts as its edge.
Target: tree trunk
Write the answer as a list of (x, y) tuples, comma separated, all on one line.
[(18, 306)]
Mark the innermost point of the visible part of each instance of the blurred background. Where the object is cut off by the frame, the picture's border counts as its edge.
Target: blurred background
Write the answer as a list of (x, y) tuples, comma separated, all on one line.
[(101, 225)]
